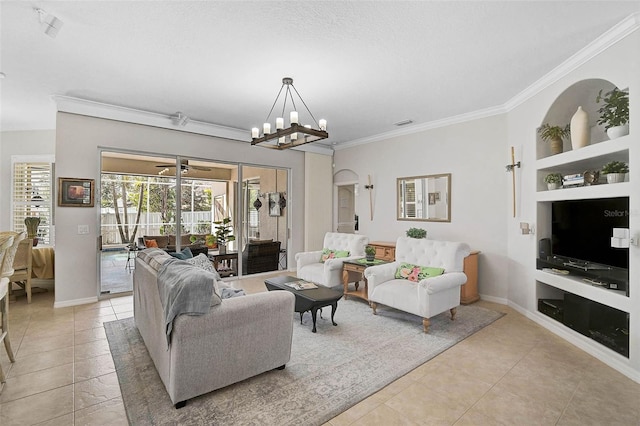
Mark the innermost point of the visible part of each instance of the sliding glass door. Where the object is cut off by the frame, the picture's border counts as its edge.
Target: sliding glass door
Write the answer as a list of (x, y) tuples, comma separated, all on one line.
[(241, 228), (264, 237)]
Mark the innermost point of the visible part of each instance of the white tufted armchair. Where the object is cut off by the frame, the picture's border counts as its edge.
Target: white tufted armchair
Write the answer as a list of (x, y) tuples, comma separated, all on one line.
[(329, 273), (430, 296)]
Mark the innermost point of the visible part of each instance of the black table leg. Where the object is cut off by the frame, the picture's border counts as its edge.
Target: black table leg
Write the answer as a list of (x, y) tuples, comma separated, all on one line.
[(334, 307), (301, 317), (314, 311)]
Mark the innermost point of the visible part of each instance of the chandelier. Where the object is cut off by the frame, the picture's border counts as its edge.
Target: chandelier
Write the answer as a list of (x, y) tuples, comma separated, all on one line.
[(294, 135)]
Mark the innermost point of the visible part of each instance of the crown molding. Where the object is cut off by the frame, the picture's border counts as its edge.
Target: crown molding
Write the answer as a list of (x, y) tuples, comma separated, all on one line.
[(470, 116), (115, 112), (616, 33), (89, 108)]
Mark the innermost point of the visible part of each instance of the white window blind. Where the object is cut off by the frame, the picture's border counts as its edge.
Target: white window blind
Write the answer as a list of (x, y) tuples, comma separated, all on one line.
[(33, 196)]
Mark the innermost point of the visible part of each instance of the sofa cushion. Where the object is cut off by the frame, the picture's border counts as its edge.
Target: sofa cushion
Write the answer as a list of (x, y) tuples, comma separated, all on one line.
[(182, 255), (202, 261), (416, 273)]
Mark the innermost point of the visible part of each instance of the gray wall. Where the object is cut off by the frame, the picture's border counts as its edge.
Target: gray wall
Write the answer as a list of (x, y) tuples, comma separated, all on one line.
[(78, 139)]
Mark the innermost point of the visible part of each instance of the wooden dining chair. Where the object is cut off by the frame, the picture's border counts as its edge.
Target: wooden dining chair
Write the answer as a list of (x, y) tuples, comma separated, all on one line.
[(6, 245), (22, 266)]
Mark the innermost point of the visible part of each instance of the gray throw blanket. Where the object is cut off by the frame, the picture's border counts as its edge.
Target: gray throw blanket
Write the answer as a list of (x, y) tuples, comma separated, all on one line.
[(183, 289)]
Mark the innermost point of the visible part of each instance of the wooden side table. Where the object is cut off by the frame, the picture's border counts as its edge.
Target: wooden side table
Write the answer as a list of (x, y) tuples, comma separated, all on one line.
[(469, 291), (353, 268)]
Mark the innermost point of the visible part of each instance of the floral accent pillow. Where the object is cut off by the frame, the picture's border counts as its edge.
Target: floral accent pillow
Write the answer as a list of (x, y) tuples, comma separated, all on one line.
[(332, 254), (417, 273)]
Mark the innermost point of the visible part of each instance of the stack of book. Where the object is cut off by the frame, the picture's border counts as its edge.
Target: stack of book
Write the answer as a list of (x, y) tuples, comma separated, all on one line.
[(573, 180)]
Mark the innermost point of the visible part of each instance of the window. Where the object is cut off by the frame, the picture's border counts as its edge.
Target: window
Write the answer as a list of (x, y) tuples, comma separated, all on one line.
[(33, 194)]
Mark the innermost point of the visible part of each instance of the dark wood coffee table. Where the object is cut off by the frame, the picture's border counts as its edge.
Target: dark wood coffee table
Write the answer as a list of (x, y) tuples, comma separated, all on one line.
[(307, 300)]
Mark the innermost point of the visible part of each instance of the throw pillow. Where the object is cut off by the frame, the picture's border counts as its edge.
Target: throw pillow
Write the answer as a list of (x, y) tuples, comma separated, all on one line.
[(183, 255), (326, 255), (150, 243), (416, 273), (342, 253), (202, 261)]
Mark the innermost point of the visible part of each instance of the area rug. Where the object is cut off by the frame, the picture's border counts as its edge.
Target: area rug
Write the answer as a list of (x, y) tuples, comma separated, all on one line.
[(329, 371)]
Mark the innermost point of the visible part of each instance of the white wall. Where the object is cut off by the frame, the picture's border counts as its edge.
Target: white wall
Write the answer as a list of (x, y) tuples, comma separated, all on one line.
[(35, 142), (78, 139), (318, 196), (475, 153)]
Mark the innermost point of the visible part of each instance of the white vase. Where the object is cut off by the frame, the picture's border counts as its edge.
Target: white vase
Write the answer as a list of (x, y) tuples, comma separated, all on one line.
[(222, 248), (615, 177), (580, 132), (553, 185), (617, 131)]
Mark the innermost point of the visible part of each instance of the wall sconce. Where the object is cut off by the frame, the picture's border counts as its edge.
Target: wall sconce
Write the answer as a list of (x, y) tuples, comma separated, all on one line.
[(526, 229)]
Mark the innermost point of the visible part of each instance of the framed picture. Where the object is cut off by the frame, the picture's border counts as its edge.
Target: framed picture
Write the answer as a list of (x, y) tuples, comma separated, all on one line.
[(74, 192), (274, 204), (437, 196), (432, 198)]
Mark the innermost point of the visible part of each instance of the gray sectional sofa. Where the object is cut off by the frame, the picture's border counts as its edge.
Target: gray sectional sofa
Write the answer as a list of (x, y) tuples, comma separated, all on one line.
[(238, 338)]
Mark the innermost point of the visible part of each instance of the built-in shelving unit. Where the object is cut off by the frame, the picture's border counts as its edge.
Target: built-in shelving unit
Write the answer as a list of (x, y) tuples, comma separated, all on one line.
[(552, 286)]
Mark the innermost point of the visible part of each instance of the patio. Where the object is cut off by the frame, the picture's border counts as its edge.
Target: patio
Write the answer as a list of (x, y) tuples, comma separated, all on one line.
[(116, 275)]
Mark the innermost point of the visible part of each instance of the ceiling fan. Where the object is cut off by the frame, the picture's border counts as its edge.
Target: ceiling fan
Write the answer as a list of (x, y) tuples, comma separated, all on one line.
[(184, 166)]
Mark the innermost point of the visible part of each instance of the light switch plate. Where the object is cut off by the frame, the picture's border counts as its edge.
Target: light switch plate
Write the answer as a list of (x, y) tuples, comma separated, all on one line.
[(83, 229)]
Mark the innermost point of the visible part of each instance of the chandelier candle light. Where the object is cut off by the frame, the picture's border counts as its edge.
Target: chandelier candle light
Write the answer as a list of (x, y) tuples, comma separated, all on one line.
[(296, 134)]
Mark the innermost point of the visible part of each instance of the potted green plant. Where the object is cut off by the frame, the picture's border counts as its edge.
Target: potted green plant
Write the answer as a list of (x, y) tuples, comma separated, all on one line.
[(553, 180), (370, 253), (554, 135), (614, 113), (224, 234), (615, 171), (210, 240), (416, 233), (32, 223)]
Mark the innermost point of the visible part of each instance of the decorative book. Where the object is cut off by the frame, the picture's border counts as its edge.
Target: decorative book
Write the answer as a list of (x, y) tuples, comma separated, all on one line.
[(301, 285)]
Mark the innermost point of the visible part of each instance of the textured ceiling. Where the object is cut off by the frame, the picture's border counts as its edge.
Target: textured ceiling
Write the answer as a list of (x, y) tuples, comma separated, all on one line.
[(361, 65)]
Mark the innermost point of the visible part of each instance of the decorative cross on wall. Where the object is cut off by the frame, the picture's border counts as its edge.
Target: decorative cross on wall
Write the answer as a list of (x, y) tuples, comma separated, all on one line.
[(512, 168)]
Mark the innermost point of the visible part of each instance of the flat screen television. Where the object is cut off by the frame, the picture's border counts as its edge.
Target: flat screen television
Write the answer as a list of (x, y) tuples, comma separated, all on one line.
[(582, 230)]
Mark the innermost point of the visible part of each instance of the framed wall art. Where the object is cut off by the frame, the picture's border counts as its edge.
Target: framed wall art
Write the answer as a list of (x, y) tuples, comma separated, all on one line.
[(75, 192)]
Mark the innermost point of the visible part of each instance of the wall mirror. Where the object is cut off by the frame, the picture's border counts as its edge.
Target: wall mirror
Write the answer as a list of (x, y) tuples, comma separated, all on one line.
[(425, 198)]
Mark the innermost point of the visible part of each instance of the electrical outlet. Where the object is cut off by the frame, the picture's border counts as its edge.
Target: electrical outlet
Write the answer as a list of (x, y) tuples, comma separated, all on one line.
[(83, 229)]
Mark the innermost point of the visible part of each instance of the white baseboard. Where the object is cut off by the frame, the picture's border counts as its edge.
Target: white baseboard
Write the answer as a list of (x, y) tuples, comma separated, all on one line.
[(493, 299), (75, 302)]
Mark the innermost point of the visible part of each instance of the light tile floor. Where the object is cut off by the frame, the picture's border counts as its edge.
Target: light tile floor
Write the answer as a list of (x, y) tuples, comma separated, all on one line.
[(512, 372)]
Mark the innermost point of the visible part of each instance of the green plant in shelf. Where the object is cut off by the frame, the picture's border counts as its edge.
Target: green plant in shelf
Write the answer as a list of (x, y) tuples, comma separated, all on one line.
[(615, 167), (417, 233), (553, 178), (549, 133), (615, 110)]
